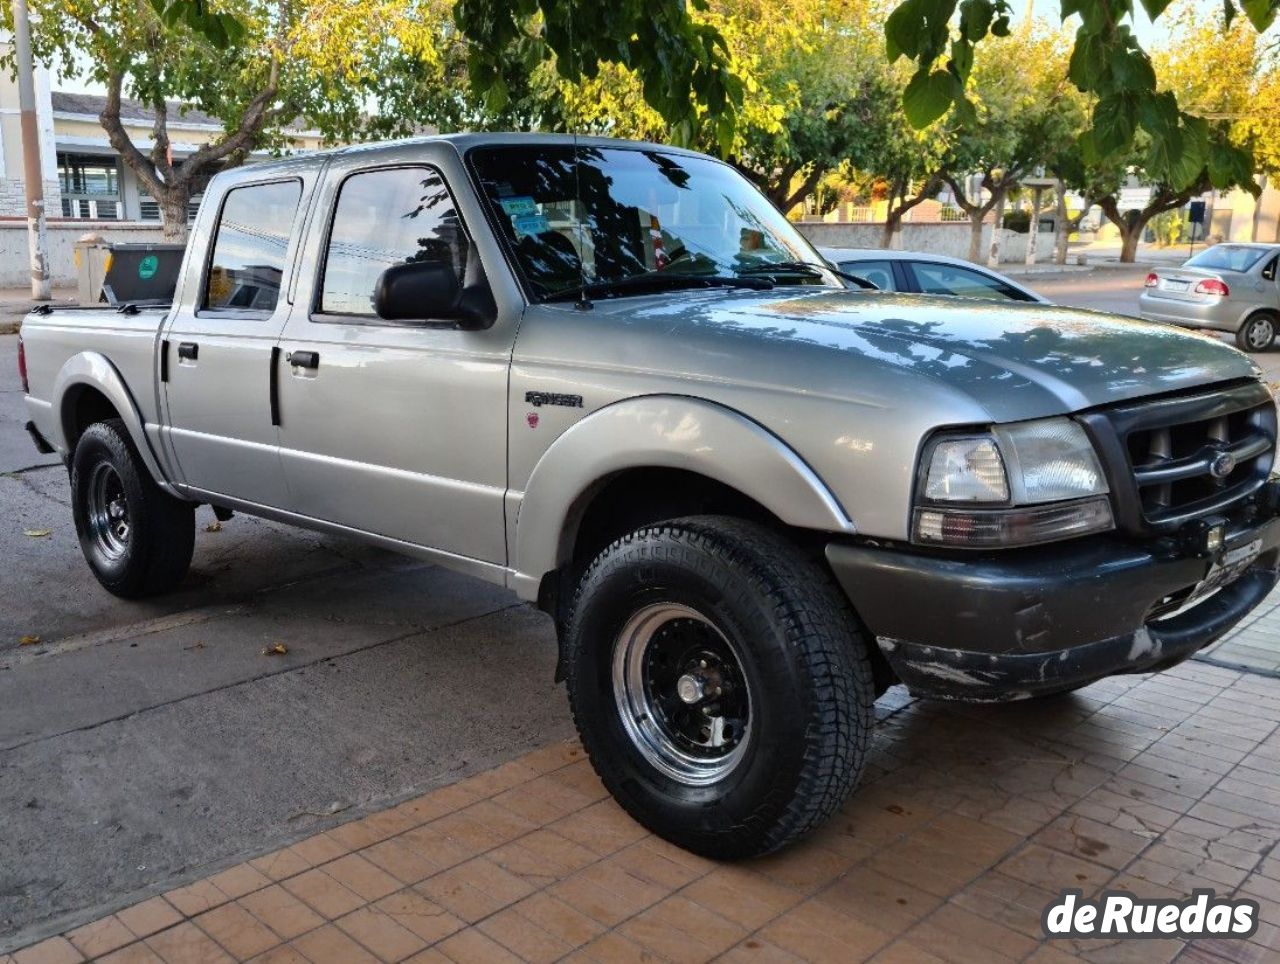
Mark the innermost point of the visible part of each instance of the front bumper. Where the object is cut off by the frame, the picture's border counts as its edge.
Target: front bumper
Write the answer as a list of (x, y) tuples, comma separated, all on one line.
[(1025, 622)]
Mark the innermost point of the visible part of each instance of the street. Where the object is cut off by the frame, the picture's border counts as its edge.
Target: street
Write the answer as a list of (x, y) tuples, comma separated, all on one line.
[(143, 745)]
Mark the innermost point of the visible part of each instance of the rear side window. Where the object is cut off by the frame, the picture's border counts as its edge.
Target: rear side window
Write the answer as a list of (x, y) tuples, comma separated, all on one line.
[(949, 279), (252, 236), (384, 218), (879, 273)]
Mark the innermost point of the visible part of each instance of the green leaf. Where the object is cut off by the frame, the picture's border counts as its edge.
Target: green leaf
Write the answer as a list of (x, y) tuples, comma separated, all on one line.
[(1228, 13), (1000, 26), (975, 19), (1261, 13), (928, 96), (1089, 60), (1113, 123), (903, 29), (1155, 7), (1132, 70), (961, 62)]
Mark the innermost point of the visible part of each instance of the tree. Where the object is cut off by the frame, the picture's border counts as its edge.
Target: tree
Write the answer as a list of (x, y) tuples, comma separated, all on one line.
[(1215, 69), (1021, 108), (1107, 62)]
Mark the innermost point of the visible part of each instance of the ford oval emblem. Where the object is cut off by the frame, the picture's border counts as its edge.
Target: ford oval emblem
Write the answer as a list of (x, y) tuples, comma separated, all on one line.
[(1222, 465)]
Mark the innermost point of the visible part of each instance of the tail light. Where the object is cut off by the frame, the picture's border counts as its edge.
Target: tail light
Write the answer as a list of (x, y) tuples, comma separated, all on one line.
[(1212, 286), (22, 367), (1153, 279)]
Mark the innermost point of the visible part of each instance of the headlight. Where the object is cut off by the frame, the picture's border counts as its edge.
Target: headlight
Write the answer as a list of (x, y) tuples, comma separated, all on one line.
[(1017, 485)]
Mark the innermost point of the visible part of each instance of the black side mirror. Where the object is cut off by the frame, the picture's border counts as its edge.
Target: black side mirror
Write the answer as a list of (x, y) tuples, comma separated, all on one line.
[(418, 291)]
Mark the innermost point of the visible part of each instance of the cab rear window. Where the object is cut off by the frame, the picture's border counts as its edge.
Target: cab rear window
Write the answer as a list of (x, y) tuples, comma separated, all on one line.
[(250, 242)]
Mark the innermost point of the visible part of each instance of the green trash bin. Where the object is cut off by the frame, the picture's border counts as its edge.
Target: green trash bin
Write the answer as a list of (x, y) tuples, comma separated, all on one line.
[(141, 273)]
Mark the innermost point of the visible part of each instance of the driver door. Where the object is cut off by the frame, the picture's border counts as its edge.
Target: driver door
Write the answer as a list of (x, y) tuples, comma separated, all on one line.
[(393, 428)]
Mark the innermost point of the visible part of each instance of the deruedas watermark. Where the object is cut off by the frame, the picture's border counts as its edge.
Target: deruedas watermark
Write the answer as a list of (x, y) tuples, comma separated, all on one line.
[(1118, 913)]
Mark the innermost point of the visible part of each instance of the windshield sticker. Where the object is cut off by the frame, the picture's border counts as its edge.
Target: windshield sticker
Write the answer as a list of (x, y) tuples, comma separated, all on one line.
[(526, 224), (515, 206)]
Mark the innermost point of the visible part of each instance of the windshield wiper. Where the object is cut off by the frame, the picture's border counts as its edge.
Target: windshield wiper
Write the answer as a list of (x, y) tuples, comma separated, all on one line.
[(657, 281), (807, 268)]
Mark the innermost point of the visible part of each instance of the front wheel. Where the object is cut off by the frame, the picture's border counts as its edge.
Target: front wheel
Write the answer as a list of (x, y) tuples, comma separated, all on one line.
[(720, 684), (1257, 333), (137, 539)]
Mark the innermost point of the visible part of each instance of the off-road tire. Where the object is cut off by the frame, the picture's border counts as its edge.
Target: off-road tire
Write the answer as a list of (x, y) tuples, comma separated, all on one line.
[(803, 657), (156, 553), (1252, 334)]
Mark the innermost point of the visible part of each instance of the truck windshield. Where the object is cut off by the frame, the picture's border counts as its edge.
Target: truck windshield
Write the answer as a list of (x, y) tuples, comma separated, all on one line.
[(611, 217), (1227, 257)]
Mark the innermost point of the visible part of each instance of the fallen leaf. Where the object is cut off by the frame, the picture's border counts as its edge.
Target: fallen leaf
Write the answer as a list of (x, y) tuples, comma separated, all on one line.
[(279, 649), (28, 640), (213, 527), (37, 533)]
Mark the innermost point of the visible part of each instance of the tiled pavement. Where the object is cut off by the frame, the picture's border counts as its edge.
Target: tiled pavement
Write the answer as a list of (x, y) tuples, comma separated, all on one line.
[(969, 820), (1254, 644)]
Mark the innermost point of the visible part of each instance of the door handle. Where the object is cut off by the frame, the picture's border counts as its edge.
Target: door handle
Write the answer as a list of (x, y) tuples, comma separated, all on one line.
[(188, 350), (304, 359)]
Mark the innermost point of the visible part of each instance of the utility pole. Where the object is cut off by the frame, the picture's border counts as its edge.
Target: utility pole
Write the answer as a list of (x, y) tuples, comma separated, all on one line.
[(37, 242)]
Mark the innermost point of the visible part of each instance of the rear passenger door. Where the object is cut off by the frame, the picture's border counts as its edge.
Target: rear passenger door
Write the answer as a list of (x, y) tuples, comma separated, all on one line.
[(393, 428), (218, 346)]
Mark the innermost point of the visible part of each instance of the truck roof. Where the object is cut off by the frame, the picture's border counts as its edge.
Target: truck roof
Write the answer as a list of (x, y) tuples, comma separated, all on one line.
[(462, 142)]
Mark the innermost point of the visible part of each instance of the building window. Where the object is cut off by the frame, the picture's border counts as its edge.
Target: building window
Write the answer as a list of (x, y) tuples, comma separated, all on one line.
[(90, 186)]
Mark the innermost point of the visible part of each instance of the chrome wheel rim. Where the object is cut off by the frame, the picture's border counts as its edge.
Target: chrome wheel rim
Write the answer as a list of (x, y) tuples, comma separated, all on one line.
[(109, 524), (1261, 333), (681, 693)]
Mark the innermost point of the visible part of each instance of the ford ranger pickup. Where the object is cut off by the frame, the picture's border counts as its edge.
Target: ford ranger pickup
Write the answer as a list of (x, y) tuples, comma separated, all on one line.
[(613, 378)]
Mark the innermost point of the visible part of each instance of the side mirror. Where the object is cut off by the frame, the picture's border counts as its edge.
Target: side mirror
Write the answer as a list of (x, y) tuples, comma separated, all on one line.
[(418, 291)]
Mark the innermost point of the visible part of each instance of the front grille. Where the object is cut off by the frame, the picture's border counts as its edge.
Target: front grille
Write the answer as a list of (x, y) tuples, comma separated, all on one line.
[(1178, 458)]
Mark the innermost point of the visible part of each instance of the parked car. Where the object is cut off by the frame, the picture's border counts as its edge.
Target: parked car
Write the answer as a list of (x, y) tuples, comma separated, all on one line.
[(612, 377), (1227, 287), (922, 273)]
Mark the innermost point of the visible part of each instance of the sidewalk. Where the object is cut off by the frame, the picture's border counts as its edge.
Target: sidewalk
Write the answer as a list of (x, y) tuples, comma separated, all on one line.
[(16, 302), (968, 822)]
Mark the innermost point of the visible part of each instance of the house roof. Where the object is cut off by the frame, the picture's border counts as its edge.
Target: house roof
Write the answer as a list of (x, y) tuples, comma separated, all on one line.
[(66, 102)]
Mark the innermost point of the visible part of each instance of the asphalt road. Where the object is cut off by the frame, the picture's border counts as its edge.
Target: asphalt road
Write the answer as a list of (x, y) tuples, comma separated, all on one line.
[(145, 744)]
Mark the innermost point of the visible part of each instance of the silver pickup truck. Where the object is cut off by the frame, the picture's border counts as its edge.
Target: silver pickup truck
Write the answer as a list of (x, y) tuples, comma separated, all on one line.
[(612, 377)]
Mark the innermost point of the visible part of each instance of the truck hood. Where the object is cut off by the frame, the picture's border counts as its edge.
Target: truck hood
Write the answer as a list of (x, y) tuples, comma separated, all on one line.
[(1017, 361)]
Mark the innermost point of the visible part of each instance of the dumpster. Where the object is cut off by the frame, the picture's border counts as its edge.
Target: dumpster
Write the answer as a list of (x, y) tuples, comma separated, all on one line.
[(125, 272)]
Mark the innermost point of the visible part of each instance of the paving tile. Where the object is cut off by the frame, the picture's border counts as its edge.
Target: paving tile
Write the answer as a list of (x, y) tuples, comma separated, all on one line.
[(281, 954), (403, 863), (187, 944), (380, 933), (196, 898), (323, 894), (815, 932), (474, 890), (56, 950), (425, 918), (955, 934), (606, 892), (1041, 866), (484, 825), (742, 895), (362, 877), (331, 945), (238, 932), (150, 916), (240, 880), (101, 937), (137, 953), (524, 938), (281, 911), (558, 919), (317, 850), (603, 828), (754, 949), (280, 864), (878, 899), (473, 947)]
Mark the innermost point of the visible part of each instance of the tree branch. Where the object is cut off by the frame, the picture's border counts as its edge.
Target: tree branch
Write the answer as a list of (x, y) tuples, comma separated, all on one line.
[(119, 138), (241, 139)]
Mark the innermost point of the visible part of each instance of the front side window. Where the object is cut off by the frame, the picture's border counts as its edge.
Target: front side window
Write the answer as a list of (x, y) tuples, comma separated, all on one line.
[(385, 218), (879, 273), (603, 215), (252, 237), (948, 279)]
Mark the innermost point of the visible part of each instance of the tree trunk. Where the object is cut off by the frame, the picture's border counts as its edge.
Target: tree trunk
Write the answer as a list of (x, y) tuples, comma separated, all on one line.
[(1129, 238), (891, 221), (173, 201), (997, 230), (1060, 228), (975, 235)]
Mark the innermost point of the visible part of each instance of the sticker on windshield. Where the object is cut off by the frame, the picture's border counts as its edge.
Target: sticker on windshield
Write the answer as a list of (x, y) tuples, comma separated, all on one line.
[(516, 206), (527, 224)]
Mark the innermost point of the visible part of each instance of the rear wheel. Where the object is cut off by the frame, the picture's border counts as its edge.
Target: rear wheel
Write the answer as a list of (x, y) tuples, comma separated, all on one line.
[(137, 539), (1257, 333), (720, 684)]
